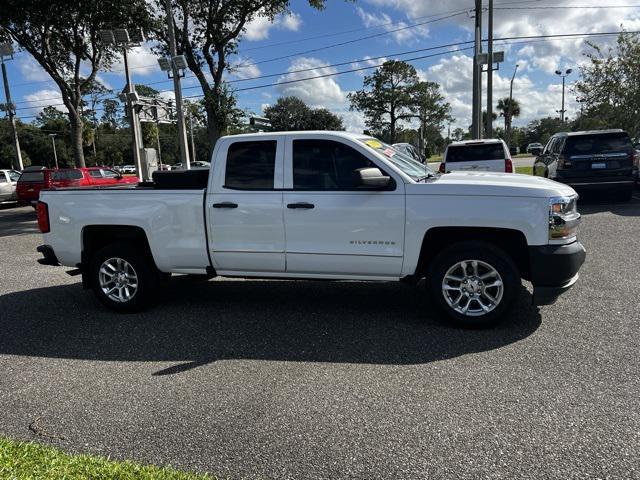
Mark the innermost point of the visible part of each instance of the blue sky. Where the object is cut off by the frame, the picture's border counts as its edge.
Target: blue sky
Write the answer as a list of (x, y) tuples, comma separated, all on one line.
[(536, 86)]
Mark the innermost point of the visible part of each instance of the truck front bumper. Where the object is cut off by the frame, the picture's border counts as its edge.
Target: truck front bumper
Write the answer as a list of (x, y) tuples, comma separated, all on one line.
[(554, 270)]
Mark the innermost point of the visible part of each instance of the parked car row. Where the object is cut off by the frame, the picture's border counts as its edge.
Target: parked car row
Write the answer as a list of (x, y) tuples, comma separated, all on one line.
[(32, 181)]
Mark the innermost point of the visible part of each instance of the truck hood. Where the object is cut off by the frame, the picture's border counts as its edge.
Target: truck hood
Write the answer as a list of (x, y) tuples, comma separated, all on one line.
[(496, 184)]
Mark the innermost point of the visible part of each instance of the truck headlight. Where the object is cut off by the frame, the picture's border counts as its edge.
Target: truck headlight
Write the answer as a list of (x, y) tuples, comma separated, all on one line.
[(563, 217)]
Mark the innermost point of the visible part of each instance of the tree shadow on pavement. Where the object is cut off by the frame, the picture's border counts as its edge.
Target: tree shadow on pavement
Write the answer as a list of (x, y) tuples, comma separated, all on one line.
[(18, 221), (199, 323)]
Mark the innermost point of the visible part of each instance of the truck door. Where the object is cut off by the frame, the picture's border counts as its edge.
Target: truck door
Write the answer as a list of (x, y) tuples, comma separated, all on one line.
[(333, 225), (244, 207)]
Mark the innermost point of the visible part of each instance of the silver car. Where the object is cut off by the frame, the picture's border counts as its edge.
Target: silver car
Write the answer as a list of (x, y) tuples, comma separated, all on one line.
[(8, 181)]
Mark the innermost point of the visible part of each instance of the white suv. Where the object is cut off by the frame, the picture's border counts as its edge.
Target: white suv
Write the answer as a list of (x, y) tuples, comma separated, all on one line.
[(490, 155)]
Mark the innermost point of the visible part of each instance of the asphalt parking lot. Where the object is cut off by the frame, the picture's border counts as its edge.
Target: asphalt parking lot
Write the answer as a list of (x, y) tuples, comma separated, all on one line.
[(281, 379)]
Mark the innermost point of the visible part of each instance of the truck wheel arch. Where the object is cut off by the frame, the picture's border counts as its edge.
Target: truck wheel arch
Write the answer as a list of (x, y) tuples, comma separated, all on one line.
[(95, 237), (512, 242)]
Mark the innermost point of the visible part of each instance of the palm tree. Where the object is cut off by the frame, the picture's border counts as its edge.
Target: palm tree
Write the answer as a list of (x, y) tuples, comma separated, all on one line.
[(509, 109)]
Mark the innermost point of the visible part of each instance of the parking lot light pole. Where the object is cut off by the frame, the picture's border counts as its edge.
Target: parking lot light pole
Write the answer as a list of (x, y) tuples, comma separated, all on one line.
[(6, 50), (508, 116), (55, 154), (176, 66), (563, 75)]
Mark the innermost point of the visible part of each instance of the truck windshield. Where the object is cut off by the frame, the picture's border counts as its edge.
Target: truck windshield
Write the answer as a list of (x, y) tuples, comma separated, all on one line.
[(402, 161)]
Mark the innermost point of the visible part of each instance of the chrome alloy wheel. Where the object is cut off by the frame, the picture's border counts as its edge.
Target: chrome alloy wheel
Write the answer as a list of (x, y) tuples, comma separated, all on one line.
[(472, 288), (118, 280)]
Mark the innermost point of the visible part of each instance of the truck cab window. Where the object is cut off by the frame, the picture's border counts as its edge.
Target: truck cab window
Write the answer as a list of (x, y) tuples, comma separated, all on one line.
[(326, 165), (251, 165)]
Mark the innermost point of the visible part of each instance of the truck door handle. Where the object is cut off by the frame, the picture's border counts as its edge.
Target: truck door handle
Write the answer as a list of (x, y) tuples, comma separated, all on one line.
[(301, 205), (225, 205)]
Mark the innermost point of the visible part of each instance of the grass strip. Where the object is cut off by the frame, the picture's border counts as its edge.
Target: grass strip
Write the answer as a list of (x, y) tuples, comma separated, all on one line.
[(32, 461)]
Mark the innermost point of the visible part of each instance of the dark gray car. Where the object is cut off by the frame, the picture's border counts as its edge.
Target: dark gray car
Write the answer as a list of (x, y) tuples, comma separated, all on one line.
[(591, 160)]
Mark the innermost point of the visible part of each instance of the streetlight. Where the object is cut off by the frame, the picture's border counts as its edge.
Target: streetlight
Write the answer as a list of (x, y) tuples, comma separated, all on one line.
[(508, 116), (127, 39), (6, 50), (53, 142), (563, 75)]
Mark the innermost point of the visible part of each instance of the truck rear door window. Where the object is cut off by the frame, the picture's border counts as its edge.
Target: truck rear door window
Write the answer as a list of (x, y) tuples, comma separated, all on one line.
[(598, 144), (475, 153), (251, 165)]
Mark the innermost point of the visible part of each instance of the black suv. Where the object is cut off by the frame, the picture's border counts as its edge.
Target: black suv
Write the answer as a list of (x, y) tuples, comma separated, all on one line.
[(593, 160)]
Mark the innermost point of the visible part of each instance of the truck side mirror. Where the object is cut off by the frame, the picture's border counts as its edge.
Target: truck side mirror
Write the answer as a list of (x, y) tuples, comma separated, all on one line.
[(372, 178)]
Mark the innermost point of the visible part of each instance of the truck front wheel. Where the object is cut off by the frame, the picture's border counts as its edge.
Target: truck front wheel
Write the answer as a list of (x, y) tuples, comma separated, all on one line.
[(473, 283), (123, 277)]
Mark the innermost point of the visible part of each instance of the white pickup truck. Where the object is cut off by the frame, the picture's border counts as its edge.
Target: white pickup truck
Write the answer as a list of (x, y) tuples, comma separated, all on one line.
[(321, 205)]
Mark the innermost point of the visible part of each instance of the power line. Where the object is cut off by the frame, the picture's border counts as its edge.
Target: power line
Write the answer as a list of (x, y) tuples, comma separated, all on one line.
[(531, 38), (397, 54)]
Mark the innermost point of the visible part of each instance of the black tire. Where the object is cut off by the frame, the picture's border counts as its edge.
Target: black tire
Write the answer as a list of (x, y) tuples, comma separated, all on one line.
[(148, 277), (486, 254)]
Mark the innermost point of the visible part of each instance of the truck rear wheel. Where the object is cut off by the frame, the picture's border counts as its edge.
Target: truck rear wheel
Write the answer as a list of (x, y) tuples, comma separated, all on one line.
[(123, 278), (473, 283)]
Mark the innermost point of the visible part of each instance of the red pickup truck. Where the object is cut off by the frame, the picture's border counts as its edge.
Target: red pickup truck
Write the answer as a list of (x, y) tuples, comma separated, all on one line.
[(32, 181)]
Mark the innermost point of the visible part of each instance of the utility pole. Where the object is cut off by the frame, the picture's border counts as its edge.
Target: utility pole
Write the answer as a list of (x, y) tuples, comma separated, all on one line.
[(193, 145), (476, 121), (53, 142), (509, 116), (489, 126), (158, 141), (182, 133), (6, 50)]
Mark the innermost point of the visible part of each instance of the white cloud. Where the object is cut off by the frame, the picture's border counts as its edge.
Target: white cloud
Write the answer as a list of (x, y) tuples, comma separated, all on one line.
[(353, 121), (291, 22), (399, 31), (244, 68), (258, 28), (367, 61), (547, 19), (454, 74), (142, 61), (319, 92), (40, 99), (31, 70)]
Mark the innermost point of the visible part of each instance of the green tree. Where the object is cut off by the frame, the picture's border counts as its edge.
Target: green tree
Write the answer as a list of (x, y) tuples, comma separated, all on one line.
[(433, 111), (494, 117), (291, 113), (610, 84), (62, 36), (323, 119), (207, 33), (111, 113), (509, 108), (388, 98)]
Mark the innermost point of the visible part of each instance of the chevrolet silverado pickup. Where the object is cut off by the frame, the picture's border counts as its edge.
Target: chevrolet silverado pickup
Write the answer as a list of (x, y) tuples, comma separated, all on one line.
[(321, 205)]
